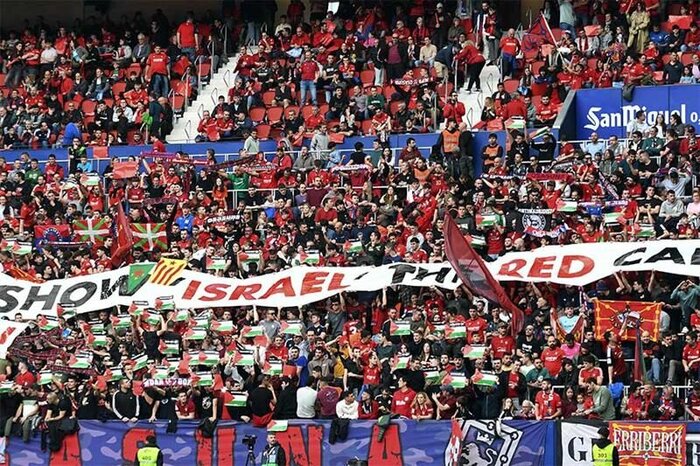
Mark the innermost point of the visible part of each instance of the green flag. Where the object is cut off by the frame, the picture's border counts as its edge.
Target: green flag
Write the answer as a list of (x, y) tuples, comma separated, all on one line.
[(138, 274)]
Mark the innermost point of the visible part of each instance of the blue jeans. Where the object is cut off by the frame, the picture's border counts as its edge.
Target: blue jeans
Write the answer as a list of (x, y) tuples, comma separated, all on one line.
[(507, 65), (310, 86), (190, 52), (160, 85), (654, 373)]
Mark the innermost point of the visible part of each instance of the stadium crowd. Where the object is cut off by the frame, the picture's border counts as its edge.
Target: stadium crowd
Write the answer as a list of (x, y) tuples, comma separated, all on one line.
[(343, 357)]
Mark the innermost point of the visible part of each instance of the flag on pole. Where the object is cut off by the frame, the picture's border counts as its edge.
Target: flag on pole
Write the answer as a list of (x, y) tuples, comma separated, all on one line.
[(613, 315), (167, 271), (150, 236), (95, 232), (124, 239), (476, 277), (640, 371)]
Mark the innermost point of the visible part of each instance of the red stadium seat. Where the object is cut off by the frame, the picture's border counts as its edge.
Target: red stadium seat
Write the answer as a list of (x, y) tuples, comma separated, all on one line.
[(687, 58), (538, 89), (268, 97), (274, 114), (306, 111), (2, 79), (263, 131), (134, 68), (511, 85), (257, 114), (659, 77), (367, 78), (88, 107), (118, 88), (178, 103), (366, 127)]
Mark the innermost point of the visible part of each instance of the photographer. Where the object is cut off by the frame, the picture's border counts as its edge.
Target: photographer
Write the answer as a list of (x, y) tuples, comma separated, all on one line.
[(273, 455)]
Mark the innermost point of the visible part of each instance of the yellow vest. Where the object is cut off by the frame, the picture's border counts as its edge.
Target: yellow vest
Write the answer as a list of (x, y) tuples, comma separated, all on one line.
[(148, 456), (450, 141), (603, 456)]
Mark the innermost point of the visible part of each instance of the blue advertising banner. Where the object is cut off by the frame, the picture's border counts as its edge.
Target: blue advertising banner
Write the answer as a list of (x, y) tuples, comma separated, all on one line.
[(405, 443), (605, 111)]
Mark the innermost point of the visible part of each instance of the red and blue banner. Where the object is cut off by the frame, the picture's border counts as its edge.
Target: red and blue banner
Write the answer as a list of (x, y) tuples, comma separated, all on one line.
[(405, 443)]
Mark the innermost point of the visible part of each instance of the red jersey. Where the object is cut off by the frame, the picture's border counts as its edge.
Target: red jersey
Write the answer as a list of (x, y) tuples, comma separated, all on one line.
[(501, 346), (158, 63), (551, 359), (401, 402), (547, 404), (309, 70), (187, 31), (690, 353)]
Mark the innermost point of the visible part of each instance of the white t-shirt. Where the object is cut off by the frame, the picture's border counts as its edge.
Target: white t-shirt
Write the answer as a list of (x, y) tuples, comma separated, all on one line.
[(306, 403)]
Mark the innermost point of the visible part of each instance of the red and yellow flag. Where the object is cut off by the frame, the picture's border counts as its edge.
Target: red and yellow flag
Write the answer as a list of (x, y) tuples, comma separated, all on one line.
[(612, 315), (167, 271)]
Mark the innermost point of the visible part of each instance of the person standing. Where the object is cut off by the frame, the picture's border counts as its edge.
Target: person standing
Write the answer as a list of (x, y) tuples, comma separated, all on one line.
[(149, 454), (273, 454), (604, 451)]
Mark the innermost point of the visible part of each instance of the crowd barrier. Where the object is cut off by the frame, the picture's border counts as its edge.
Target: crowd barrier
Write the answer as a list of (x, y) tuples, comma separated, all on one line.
[(405, 443)]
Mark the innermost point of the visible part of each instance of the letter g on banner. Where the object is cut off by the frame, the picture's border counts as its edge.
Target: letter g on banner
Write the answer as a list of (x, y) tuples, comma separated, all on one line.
[(576, 442)]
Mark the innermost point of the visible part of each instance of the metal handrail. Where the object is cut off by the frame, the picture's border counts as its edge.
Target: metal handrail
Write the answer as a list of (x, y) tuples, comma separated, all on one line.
[(187, 129), (225, 77), (199, 59), (214, 92), (200, 111)]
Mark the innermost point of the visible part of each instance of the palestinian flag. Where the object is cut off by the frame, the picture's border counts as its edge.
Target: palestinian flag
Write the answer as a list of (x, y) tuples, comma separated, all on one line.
[(169, 347), (90, 179), (65, 310), (196, 334), (204, 358), (292, 327), (454, 331), (567, 206), (138, 273), (97, 340), (182, 315), (238, 400), (95, 232), (272, 367), (643, 230), (166, 303), (202, 379), (477, 241), (167, 271), (400, 328), (613, 218), (151, 318), (457, 380), (252, 332), (6, 386), (222, 326), (432, 376), (140, 361), (539, 132), (216, 263), (160, 372), (243, 358), (473, 351), (249, 256), (487, 221), (150, 236), (277, 426), (97, 327), (16, 247), (486, 380), (138, 308), (79, 361), (352, 247), (400, 362), (309, 258), (113, 375), (45, 377), (47, 323), (121, 321)]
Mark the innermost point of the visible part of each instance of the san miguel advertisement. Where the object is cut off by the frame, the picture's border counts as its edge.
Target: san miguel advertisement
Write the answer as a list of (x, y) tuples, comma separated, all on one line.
[(605, 112), (649, 443), (405, 443)]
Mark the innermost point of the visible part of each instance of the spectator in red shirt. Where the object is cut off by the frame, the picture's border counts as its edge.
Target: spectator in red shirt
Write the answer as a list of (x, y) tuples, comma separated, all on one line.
[(310, 70), (545, 112), (157, 72), (402, 399), (188, 38), (454, 109), (184, 406), (510, 46), (24, 377), (547, 402)]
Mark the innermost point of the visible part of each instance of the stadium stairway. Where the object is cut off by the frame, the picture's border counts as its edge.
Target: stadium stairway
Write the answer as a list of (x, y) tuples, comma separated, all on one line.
[(185, 128), (474, 101)]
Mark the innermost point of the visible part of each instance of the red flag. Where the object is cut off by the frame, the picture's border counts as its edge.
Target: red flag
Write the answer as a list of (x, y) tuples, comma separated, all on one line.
[(123, 170), (538, 34), (640, 370), (218, 383), (124, 239), (612, 315), (19, 274), (476, 277)]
